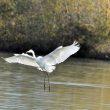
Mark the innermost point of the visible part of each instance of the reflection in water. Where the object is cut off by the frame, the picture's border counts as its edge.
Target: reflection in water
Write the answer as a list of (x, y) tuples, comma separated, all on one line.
[(77, 84)]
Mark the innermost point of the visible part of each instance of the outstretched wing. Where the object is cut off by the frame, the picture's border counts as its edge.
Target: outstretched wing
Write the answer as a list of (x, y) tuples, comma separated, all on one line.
[(60, 54), (23, 59)]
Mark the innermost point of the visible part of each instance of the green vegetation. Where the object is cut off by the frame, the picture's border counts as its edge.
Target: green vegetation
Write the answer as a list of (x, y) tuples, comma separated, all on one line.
[(45, 24)]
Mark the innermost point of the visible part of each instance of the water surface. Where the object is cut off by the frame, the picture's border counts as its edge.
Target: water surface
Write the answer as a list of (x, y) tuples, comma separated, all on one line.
[(76, 84)]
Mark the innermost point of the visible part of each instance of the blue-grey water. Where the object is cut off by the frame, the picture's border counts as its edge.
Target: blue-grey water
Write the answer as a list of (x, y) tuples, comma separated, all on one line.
[(76, 84)]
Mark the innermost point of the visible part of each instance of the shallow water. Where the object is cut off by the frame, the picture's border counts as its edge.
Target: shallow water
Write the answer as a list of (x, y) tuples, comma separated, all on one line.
[(76, 84)]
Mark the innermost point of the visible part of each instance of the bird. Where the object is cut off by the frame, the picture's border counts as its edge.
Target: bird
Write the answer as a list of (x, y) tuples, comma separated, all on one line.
[(46, 63)]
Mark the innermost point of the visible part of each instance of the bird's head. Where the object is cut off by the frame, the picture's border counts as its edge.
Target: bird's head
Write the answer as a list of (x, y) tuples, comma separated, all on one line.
[(30, 51)]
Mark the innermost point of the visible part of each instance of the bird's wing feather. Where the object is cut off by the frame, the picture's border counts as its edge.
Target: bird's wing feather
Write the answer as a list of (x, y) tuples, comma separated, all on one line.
[(61, 54), (22, 59)]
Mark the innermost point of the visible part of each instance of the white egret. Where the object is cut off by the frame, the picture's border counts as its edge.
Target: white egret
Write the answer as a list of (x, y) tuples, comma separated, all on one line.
[(45, 63)]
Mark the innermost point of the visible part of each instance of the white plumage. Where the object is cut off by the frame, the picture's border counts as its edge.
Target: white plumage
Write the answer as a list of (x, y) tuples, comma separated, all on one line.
[(24, 59), (45, 63)]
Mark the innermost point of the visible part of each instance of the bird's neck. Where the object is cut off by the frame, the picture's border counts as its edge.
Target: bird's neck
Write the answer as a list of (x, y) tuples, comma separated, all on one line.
[(33, 54)]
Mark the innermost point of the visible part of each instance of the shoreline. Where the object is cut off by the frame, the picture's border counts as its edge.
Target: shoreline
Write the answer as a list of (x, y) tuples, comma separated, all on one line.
[(101, 56)]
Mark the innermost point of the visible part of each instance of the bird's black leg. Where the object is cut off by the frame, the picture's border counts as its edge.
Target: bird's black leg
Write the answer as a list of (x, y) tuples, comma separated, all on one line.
[(48, 82), (46, 74), (44, 80)]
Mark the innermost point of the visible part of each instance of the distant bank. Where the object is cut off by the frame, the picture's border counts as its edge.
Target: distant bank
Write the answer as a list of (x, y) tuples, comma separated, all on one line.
[(45, 45)]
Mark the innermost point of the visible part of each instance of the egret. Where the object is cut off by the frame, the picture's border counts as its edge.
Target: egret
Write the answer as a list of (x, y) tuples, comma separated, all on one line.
[(46, 63)]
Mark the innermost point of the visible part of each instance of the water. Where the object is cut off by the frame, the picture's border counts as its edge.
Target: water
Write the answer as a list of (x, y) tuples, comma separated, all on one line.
[(77, 84)]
